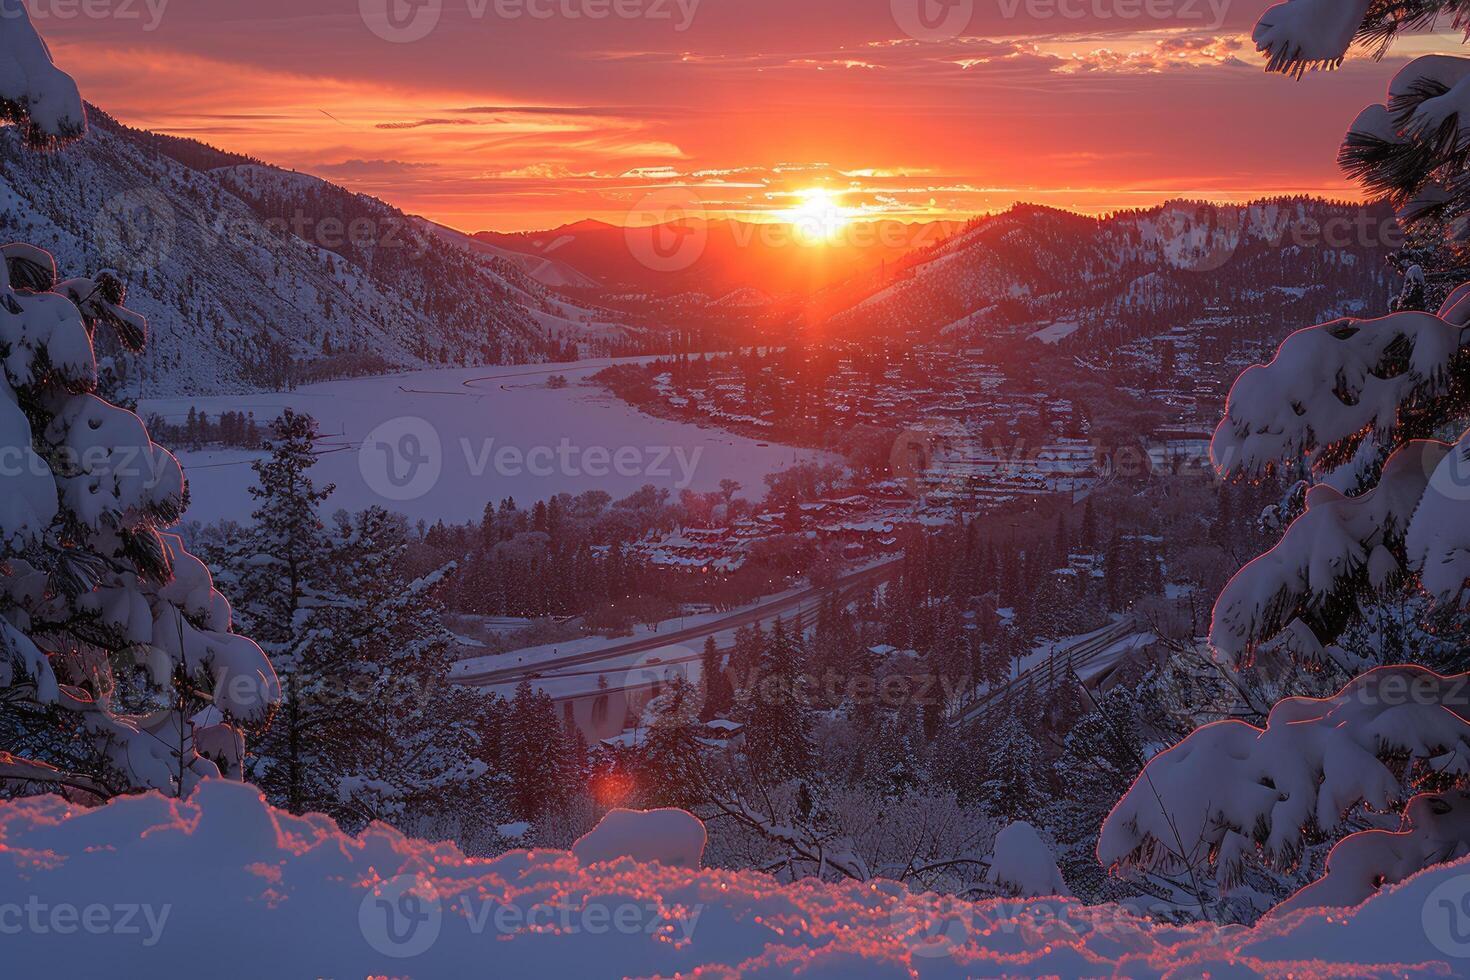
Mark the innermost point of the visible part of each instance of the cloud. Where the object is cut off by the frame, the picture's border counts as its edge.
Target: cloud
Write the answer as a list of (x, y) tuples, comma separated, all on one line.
[(349, 169), (421, 123), (551, 110)]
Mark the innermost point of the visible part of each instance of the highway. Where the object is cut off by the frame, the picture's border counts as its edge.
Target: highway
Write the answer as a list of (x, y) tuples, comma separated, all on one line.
[(799, 607)]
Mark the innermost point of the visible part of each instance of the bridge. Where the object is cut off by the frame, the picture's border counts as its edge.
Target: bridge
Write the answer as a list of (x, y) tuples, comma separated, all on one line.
[(595, 689), (1083, 656)]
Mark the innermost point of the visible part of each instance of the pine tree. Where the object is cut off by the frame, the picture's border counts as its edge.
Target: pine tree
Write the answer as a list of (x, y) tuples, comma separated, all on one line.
[(537, 753), (401, 740), (1359, 406), (118, 667), (1098, 762), (1015, 778), (777, 717), (280, 571), (718, 694), (672, 770)]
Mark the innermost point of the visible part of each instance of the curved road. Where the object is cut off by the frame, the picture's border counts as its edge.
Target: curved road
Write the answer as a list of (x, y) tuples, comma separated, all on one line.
[(694, 636)]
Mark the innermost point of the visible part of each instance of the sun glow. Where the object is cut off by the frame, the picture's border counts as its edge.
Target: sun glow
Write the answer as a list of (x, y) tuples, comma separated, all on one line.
[(818, 218)]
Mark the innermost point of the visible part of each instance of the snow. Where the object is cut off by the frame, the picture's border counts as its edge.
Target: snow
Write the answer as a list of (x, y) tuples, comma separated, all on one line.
[(1024, 865), (34, 93), (1328, 548), (1302, 34), (1435, 829), (1438, 538), (1328, 383), (29, 504), (1456, 308), (149, 885), (1412, 82), (116, 473), (673, 838), (1231, 787), (493, 432), (1056, 332)]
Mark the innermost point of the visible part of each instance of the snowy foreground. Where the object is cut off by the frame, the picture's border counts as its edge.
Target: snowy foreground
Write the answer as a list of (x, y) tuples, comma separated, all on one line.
[(439, 444), (225, 886)]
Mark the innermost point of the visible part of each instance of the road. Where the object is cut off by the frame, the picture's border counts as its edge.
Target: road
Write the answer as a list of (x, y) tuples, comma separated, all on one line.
[(618, 656), (1078, 655)]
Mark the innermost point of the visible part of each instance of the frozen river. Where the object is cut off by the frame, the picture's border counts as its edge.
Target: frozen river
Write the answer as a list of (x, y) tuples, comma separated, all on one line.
[(441, 443)]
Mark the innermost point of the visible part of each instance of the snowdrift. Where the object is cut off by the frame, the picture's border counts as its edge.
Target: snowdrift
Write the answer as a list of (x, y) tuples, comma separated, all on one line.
[(226, 886)]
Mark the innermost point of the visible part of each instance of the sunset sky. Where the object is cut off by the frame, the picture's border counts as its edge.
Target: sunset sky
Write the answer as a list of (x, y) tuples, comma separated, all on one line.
[(496, 119)]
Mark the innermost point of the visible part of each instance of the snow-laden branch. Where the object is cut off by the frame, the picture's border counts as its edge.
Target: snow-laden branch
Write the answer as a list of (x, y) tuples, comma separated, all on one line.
[(1300, 35), (1336, 549), (1413, 148), (14, 769), (1231, 790), (34, 93), (1436, 829), (1438, 540), (1330, 386)]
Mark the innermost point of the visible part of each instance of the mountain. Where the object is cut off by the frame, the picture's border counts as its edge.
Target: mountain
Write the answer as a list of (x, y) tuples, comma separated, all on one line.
[(255, 276), (736, 256), (1061, 277), (544, 269)]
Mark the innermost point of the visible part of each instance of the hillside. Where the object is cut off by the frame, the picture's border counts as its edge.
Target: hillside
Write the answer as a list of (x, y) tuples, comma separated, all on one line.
[(252, 276), (1063, 277)]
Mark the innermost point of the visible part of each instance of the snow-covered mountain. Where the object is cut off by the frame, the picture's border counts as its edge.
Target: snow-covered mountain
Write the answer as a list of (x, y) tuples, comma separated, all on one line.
[(1035, 265), (254, 276)]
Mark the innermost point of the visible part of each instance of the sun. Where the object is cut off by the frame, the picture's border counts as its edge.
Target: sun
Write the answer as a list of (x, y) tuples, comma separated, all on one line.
[(818, 218)]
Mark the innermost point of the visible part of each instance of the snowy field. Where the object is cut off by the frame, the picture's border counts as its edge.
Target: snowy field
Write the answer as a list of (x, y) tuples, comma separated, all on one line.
[(441, 443), (227, 887)]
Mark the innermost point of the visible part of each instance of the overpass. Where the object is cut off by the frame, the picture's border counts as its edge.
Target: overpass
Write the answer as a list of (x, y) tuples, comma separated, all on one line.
[(596, 688), (1085, 656)]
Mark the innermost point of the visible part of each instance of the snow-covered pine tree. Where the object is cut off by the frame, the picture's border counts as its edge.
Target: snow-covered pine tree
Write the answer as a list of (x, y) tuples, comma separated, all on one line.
[(778, 735), (1096, 765), (118, 667), (719, 694), (1364, 403), (1015, 776), (279, 569), (672, 770), (399, 741), (536, 751)]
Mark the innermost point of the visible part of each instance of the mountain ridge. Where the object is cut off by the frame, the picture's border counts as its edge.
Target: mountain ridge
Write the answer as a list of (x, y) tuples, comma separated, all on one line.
[(254, 276)]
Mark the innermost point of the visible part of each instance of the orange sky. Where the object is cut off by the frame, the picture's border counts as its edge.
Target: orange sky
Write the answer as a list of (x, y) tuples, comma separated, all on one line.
[(501, 120)]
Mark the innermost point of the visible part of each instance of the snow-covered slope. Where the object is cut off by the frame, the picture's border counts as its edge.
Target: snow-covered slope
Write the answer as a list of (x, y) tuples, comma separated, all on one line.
[(1033, 266), (224, 886), (544, 269), (253, 276)]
